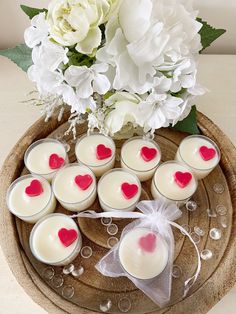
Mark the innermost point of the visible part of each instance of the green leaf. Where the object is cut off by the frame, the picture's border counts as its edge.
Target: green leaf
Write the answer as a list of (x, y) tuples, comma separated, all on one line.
[(189, 124), (209, 34), (21, 55), (31, 12)]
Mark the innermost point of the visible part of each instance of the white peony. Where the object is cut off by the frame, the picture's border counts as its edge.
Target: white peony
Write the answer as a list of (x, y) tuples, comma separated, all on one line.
[(76, 22), (37, 32)]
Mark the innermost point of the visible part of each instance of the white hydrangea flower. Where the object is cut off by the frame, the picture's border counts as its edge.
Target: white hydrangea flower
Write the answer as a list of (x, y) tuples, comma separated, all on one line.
[(37, 32)]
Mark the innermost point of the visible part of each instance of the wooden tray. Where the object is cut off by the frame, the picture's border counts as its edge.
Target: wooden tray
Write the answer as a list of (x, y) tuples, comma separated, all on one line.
[(217, 275)]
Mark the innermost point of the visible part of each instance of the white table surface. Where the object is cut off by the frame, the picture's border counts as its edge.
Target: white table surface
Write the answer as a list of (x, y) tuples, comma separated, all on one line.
[(216, 72)]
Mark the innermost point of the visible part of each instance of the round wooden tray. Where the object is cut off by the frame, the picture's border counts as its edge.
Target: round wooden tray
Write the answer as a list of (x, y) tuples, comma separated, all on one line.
[(217, 275)]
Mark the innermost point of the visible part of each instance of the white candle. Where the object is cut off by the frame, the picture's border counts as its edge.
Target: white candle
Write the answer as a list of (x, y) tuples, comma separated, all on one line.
[(30, 197), (143, 254), (200, 154), (45, 157), (174, 181), (97, 152), (141, 156), (55, 240), (119, 189), (75, 187)]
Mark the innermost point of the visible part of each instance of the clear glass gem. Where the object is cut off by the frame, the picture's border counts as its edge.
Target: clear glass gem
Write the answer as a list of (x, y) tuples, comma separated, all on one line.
[(176, 271), (199, 231), (57, 281), (77, 272), (48, 273), (112, 241), (68, 269), (105, 305), (191, 206), (224, 222), (195, 237), (68, 292), (86, 252), (67, 147), (215, 234), (112, 229), (206, 254), (221, 210), (218, 188), (106, 221), (187, 228), (211, 212), (124, 305)]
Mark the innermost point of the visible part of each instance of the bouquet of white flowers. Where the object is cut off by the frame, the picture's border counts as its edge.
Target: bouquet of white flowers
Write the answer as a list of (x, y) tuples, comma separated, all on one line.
[(121, 64)]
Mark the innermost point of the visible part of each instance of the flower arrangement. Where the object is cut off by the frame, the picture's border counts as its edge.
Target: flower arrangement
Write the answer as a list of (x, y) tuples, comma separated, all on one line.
[(123, 65)]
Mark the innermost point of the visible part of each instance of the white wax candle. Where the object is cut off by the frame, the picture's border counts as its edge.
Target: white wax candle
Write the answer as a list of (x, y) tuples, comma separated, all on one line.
[(201, 163), (89, 154), (27, 207), (37, 157), (45, 242), (140, 156), (111, 193), (164, 183), (75, 187), (143, 253)]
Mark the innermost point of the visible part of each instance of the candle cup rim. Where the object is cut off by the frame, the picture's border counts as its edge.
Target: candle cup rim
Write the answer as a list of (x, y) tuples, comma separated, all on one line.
[(21, 178), (127, 171), (187, 168), (208, 140), (34, 144), (110, 158), (60, 262), (136, 138), (68, 166)]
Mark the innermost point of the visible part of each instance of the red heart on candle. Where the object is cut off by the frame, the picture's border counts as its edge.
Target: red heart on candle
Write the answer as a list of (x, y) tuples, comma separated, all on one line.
[(55, 161), (148, 153), (129, 190), (84, 181), (34, 189), (207, 153), (67, 236), (103, 152), (183, 178), (148, 242)]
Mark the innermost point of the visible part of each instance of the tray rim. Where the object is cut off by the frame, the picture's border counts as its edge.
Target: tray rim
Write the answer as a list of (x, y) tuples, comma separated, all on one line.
[(204, 298)]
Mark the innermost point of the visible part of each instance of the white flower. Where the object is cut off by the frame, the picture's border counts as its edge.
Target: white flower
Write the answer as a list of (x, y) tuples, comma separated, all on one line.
[(122, 110), (88, 80), (76, 22), (37, 32)]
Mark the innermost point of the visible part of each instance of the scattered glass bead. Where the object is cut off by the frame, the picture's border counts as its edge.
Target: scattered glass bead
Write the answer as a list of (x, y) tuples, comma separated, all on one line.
[(206, 254), (215, 234), (67, 147), (223, 220), (112, 241), (68, 269), (199, 231), (195, 237), (112, 229), (77, 272), (105, 305), (106, 221), (221, 210), (218, 188), (57, 281), (48, 273), (86, 252), (176, 271), (187, 228), (124, 305), (211, 212), (68, 292), (191, 206)]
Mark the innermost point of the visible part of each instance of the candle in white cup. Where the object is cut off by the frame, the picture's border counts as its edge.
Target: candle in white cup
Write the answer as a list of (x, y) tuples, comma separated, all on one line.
[(55, 240), (30, 198), (97, 152), (75, 187), (200, 154), (119, 189), (141, 156), (45, 157), (143, 253), (174, 181)]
